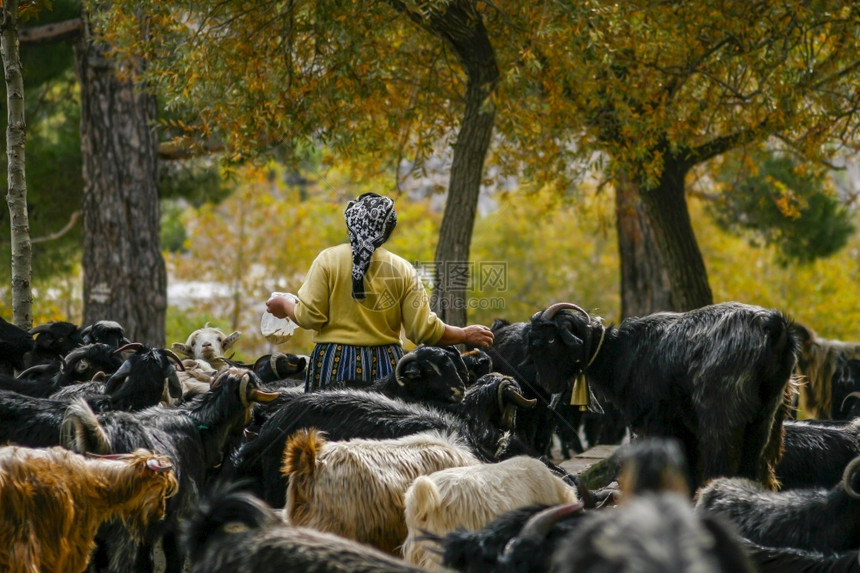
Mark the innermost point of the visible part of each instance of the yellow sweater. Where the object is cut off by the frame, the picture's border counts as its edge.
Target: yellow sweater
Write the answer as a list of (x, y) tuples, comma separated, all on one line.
[(395, 297)]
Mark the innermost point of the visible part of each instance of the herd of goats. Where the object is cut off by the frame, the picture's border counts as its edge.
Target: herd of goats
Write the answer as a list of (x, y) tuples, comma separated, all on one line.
[(117, 456)]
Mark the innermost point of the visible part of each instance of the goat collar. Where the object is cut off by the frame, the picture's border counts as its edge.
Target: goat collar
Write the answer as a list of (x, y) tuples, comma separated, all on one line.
[(599, 346)]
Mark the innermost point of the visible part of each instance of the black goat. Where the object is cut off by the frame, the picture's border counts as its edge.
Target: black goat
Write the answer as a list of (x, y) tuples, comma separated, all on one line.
[(483, 419), (52, 341), (30, 421), (816, 452), (790, 560), (15, 344), (430, 375), (279, 366), (146, 378), (105, 332), (715, 378), (478, 363), (811, 519), (193, 436), (233, 531), (652, 533), (522, 540), (79, 365)]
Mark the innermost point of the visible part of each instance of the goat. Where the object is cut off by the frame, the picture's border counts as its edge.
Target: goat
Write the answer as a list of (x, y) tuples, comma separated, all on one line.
[(478, 363), (470, 497), (716, 378), (193, 436), (652, 533), (279, 366), (368, 478), (810, 519), (15, 344), (104, 332), (54, 501), (31, 421), (53, 340), (429, 374), (79, 365), (819, 361), (816, 452), (206, 343), (790, 560), (484, 420), (234, 531)]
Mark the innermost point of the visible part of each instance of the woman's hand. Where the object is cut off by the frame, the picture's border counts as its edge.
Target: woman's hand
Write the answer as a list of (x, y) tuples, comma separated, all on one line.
[(477, 335), (278, 305)]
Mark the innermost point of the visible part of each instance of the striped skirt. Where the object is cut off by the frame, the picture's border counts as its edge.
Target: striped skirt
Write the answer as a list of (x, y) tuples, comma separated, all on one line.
[(332, 362)]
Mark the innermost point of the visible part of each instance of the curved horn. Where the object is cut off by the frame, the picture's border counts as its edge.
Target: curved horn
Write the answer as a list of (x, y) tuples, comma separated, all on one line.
[(404, 360), (261, 396), (38, 368), (847, 475), (136, 346), (172, 355), (76, 353), (39, 329), (508, 393), (553, 309), (539, 525), (850, 395)]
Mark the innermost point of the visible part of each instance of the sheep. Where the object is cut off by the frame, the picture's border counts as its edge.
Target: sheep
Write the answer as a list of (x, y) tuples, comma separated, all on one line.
[(810, 519), (716, 378), (355, 488), (484, 420), (193, 436), (652, 533), (234, 531), (816, 452), (15, 344), (819, 361), (470, 497), (206, 343), (54, 500)]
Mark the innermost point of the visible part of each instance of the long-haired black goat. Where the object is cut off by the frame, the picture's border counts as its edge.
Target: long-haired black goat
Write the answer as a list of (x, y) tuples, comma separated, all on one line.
[(234, 531), (811, 519), (715, 378), (817, 452)]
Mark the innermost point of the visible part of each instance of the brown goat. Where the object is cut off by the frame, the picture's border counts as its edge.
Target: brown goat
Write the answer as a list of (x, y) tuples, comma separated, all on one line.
[(53, 501)]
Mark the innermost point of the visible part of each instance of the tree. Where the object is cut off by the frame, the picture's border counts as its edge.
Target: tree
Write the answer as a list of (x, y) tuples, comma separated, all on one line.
[(124, 274), (661, 88), (22, 296)]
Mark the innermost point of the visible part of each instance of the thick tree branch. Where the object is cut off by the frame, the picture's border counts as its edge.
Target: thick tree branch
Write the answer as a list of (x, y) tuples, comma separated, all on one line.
[(51, 33)]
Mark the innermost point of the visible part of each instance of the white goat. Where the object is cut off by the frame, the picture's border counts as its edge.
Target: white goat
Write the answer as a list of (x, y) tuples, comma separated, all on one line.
[(207, 343), (355, 488), (469, 498)]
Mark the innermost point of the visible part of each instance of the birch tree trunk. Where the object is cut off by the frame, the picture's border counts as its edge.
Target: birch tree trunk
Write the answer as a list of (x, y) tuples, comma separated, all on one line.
[(16, 197)]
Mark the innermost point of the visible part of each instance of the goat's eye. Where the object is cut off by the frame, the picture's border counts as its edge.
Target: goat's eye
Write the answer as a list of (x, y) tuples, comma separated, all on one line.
[(219, 339), (550, 341)]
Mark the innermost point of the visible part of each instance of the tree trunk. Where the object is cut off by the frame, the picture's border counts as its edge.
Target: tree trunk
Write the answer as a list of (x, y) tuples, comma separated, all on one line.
[(16, 197), (461, 26), (645, 287), (124, 273), (666, 207)]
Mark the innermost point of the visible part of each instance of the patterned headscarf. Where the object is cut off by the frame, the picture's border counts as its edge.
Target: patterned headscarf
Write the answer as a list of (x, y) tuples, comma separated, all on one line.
[(369, 222)]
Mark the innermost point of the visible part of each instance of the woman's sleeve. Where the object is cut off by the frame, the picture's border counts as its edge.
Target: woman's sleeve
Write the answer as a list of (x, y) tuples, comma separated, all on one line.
[(312, 306), (421, 324)]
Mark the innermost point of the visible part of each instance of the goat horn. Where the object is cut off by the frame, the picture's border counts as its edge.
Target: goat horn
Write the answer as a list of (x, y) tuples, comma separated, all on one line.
[(401, 364), (847, 476), (40, 368), (550, 312), (39, 329), (850, 395), (512, 395), (261, 396), (172, 355), (137, 346), (538, 525)]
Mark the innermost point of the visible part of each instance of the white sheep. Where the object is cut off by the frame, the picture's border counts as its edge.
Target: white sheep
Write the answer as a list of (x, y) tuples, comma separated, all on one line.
[(469, 498), (355, 488)]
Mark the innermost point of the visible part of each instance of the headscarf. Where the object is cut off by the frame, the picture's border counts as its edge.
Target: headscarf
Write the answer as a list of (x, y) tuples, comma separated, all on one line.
[(369, 222)]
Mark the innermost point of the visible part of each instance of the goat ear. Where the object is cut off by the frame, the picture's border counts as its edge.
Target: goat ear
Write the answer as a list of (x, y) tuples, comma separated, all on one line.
[(568, 337), (183, 349), (157, 465), (230, 340)]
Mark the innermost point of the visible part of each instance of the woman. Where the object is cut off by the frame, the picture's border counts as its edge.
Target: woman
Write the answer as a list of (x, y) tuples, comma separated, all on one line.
[(357, 296)]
